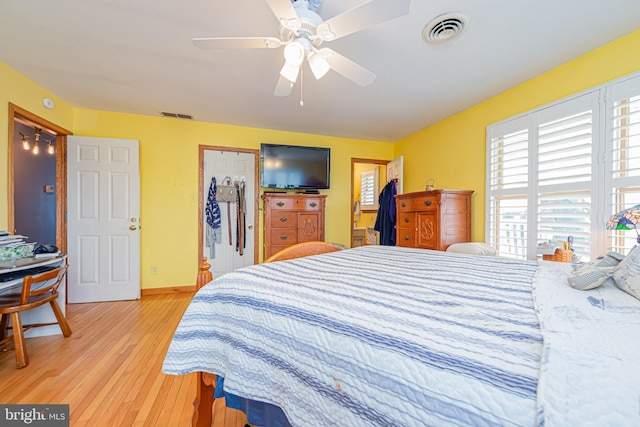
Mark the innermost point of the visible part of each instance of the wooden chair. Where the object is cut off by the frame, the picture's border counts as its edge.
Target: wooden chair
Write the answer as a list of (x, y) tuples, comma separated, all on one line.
[(303, 249), (36, 291)]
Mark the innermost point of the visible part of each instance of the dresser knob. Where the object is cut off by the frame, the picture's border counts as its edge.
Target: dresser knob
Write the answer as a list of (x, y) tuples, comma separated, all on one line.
[(283, 237), (406, 237), (313, 204), (427, 203), (404, 205), (406, 219), (280, 204), (283, 219)]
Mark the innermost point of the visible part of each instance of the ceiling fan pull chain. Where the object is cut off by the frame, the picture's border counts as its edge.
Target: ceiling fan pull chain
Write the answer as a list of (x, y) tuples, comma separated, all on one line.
[(301, 84)]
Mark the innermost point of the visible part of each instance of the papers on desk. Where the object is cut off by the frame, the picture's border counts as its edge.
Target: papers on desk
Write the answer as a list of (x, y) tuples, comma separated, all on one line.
[(12, 240), (47, 255)]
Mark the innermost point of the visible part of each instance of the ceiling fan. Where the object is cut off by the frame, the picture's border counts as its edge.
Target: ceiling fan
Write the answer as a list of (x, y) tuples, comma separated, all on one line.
[(302, 32)]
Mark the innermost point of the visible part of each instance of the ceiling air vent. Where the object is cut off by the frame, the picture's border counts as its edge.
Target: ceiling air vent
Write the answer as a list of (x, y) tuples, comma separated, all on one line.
[(177, 115), (445, 27)]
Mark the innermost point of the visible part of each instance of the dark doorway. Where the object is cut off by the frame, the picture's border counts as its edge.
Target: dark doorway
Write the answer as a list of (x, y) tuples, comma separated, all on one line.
[(34, 163)]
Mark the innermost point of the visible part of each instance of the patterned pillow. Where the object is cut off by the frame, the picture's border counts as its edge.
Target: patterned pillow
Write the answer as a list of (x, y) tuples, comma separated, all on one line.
[(590, 275), (627, 275)]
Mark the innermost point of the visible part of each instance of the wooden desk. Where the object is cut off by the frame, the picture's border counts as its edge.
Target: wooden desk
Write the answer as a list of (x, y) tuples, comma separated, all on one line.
[(21, 267)]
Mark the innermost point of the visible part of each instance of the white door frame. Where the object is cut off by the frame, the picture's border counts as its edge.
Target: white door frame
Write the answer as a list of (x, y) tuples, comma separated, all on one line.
[(202, 189)]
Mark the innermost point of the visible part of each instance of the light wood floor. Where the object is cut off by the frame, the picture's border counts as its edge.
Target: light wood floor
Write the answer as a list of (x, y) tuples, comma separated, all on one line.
[(109, 369)]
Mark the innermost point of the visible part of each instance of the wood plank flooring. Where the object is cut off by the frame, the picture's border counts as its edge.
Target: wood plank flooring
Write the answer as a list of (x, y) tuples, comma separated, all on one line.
[(109, 369)]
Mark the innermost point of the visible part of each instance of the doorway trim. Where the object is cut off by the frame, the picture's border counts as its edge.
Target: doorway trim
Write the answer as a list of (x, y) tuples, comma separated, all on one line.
[(201, 190), (30, 119), (355, 160)]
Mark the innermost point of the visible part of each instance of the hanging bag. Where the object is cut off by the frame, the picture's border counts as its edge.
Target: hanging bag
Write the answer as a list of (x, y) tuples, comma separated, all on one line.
[(226, 192)]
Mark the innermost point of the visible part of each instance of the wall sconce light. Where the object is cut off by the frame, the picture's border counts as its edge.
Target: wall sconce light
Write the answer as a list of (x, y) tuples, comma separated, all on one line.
[(24, 141), (50, 148), (36, 149)]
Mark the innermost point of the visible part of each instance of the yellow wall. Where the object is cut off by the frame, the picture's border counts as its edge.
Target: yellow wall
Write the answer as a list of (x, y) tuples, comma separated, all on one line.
[(169, 182), (453, 150)]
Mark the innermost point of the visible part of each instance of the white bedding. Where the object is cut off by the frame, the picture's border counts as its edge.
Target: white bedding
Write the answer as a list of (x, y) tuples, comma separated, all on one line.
[(395, 336), (590, 374)]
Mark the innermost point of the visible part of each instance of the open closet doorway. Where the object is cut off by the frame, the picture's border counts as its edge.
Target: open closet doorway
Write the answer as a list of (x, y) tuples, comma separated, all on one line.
[(368, 178), (37, 196), (237, 235)]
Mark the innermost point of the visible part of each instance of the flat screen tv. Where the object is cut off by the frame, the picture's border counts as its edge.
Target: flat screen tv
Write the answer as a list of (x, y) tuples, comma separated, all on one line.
[(294, 167)]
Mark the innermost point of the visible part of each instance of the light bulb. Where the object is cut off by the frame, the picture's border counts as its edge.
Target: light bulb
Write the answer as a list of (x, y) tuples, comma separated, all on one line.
[(25, 144), (51, 149), (36, 149)]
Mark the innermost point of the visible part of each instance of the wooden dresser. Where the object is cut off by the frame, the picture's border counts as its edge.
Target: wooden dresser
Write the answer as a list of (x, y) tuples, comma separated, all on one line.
[(291, 219), (433, 219)]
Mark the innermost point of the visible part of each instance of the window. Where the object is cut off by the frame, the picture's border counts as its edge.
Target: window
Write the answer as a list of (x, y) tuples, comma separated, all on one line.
[(562, 170), (369, 189)]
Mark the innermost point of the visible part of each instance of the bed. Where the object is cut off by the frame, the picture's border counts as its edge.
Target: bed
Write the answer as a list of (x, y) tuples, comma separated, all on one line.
[(392, 336)]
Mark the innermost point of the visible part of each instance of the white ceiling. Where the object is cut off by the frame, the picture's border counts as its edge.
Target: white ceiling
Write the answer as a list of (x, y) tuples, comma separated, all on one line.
[(137, 56)]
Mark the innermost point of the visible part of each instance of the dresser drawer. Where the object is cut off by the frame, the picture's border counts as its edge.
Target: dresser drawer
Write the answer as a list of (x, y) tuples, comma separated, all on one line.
[(312, 204), (284, 236), (404, 205), (406, 237), (425, 203), (284, 219), (407, 220), (282, 203)]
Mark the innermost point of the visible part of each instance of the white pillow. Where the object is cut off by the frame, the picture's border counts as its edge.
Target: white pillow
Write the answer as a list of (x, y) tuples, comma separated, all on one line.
[(590, 275), (627, 275), (472, 248)]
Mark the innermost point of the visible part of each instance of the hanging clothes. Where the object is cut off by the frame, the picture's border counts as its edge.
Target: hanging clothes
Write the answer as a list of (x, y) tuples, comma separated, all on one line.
[(241, 238), (213, 233), (386, 219), (356, 210)]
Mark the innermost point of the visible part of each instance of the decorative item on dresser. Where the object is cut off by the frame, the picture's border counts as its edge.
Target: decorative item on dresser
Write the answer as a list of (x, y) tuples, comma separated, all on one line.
[(290, 219), (433, 219)]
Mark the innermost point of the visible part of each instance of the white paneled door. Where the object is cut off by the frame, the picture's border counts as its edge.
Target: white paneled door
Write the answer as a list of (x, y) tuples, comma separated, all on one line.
[(240, 167), (103, 221), (395, 170)]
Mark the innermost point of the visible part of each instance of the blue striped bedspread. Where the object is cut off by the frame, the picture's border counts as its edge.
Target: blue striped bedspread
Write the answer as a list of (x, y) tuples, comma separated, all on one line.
[(372, 336)]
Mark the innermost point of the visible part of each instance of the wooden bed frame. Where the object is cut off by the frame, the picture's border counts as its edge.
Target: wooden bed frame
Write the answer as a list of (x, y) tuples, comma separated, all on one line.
[(203, 404)]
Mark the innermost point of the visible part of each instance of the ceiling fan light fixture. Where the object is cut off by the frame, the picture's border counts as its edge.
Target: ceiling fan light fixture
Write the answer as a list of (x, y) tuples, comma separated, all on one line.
[(319, 66), (290, 72), (294, 53)]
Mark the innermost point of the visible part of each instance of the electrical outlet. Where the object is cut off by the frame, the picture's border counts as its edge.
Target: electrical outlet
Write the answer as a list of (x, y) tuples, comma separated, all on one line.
[(154, 270)]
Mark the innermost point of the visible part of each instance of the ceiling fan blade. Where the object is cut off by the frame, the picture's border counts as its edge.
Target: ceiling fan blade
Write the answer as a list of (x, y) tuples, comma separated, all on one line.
[(237, 42), (284, 11), (360, 17), (283, 87), (343, 65)]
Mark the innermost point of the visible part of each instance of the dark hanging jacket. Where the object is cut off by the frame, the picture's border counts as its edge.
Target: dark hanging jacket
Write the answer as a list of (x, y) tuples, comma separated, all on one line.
[(386, 219)]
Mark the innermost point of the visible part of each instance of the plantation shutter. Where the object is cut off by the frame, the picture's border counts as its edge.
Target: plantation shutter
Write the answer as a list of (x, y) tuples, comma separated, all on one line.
[(623, 163), (508, 166), (369, 189), (565, 171)]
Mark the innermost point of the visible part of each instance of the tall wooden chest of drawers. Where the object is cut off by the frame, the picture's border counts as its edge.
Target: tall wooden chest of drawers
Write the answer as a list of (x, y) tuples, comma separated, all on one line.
[(291, 219), (433, 219)]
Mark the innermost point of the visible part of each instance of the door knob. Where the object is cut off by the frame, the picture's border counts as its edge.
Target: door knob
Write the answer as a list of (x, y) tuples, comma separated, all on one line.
[(133, 227), (250, 226)]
